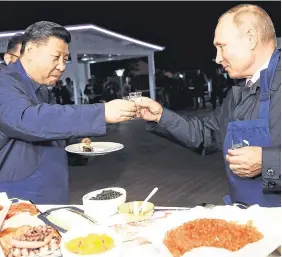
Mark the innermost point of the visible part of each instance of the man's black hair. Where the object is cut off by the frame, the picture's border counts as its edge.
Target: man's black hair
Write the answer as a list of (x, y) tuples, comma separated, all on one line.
[(14, 41), (41, 31)]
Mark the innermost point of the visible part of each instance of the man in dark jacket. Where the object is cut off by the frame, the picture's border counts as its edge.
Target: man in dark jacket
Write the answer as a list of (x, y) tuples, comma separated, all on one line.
[(247, 127), (13, 48)]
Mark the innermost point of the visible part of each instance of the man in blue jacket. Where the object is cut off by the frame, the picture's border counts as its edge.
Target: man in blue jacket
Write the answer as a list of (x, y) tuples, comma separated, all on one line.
[(33, 162), (250, 117)]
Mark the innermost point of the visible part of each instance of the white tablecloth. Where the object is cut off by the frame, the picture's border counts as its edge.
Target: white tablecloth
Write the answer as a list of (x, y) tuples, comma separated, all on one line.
[(43, 208)]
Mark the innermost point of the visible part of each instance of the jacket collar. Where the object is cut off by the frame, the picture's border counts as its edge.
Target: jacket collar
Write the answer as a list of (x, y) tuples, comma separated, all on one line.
[(17, 66)]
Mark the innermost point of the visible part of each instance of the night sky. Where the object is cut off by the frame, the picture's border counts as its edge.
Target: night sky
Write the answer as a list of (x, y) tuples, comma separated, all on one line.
[(186, 29)]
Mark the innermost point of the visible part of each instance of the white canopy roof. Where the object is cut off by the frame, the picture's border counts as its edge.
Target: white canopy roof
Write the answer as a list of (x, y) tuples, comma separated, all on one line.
[(91, 43), (106, 45)]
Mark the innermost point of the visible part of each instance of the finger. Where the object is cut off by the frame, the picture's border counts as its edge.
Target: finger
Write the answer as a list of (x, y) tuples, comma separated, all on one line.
[(86, 141), (234, 152), (128, 114), (234, 167), (244, 174), (143, 102), (125, 118), (234, 159), (141, 113), (144, 105), (249, 175), (239, 173), (129, 109), (241, 168), (138, 114)]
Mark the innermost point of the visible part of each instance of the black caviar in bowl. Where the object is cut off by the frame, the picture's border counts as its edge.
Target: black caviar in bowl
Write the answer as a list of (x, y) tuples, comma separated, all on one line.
[(106, 195)]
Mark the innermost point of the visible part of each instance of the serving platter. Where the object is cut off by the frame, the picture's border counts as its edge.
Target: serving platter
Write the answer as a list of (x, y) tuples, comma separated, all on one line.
[(260, 218)]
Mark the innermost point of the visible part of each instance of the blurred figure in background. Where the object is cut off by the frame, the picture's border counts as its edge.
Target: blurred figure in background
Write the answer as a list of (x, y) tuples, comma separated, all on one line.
[(218, 86), (89, 91), (200, 89), (109, 91), (127, 86), (13, 48), (61, 94), (69, 86)]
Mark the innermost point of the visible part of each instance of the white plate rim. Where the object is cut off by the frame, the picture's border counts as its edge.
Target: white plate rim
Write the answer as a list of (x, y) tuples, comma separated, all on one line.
[(118, 147)]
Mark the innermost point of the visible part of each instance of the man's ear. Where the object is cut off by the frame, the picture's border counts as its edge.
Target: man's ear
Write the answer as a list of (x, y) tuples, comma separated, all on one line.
[(253, 38), (29, 48), (7, 58)]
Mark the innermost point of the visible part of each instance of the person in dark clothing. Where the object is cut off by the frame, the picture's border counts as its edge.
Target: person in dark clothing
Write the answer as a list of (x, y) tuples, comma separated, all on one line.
[(219, 83), (247, 127), (65, 94), (109, 92), (69, 87), (61, 93), (89, 91), (214, 90), (13, 48), (56, 94), (200, 89)]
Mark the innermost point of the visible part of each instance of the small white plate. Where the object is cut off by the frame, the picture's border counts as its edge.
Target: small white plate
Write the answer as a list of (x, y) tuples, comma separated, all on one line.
[(99, 148)]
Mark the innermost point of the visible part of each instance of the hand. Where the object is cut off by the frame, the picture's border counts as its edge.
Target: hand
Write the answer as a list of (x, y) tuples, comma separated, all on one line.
[(148, 109), (119, 110), (86, 141), (245, 161)]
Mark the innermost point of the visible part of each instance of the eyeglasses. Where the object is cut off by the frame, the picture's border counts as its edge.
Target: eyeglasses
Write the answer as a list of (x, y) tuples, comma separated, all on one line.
[(13, 55)]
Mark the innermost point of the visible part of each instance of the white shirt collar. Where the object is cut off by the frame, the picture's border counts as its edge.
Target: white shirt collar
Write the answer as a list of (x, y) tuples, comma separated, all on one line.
[(256, 76)]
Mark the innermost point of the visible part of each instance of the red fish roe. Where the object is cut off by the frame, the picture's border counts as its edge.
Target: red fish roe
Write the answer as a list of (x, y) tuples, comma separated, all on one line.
[(210, 232)]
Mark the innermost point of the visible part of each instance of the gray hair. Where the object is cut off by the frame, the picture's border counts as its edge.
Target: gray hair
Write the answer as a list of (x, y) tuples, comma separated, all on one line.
[(261, 20)]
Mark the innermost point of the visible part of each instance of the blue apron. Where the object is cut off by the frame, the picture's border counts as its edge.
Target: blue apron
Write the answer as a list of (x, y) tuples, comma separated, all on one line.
[(49, 183), (256, 132)]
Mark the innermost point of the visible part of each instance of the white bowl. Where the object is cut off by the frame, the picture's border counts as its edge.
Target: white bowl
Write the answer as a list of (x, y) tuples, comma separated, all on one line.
[(83, 232), (102, 209)]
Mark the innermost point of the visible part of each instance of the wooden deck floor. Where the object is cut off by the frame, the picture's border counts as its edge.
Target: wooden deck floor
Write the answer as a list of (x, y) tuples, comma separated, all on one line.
[(184, 178)]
